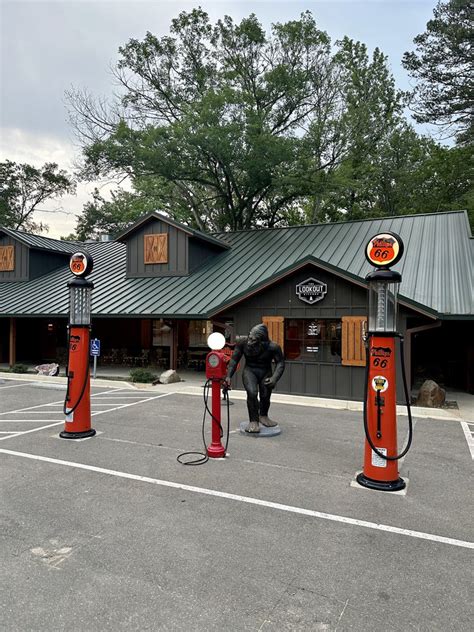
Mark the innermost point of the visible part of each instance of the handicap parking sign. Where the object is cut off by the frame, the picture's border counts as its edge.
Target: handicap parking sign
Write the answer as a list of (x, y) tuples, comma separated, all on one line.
[(95, 347)]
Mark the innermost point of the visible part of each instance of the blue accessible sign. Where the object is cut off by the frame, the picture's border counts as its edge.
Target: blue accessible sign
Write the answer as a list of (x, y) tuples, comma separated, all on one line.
[(95, 347)]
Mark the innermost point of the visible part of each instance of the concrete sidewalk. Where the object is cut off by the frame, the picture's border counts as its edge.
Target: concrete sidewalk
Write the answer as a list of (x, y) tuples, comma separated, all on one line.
[(193, 383)]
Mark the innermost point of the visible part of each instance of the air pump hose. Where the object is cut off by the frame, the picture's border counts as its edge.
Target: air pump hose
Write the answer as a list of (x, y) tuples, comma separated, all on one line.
[(203, 456), (407, 402), (66, 409)]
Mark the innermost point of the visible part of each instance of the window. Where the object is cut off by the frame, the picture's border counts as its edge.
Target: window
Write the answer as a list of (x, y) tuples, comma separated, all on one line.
[(199, 331), (313, 340), (162, 333)]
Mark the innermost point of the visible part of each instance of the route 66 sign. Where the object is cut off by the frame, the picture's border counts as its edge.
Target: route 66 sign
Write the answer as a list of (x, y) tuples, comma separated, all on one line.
[(311, 291)]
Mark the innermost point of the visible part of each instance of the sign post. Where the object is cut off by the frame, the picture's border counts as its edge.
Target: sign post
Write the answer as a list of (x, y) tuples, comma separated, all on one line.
[(95, 353)]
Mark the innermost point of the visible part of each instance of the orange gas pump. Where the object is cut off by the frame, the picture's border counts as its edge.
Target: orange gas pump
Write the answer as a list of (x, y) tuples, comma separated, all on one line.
[(77, 405), (380, 419)]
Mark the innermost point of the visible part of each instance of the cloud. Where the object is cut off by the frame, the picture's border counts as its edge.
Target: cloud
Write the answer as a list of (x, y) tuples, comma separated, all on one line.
[(35, 149)]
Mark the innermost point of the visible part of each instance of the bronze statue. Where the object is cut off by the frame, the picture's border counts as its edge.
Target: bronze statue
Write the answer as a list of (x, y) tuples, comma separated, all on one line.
[(259, 353)]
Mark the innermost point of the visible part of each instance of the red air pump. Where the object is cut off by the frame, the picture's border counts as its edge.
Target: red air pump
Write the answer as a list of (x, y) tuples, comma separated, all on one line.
[(216, 370), (380, 418), (77, 405)]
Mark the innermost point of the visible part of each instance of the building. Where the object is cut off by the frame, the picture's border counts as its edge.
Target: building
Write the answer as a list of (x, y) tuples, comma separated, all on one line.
[(162, 287)]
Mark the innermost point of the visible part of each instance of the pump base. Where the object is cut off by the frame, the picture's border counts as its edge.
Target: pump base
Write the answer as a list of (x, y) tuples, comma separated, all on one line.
[(216, 452), (382, 486), (77, 435)]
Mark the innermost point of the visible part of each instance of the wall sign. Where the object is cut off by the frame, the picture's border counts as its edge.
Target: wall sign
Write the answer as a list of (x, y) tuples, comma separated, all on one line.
[(7, 258), (384, 250), (311, 291)]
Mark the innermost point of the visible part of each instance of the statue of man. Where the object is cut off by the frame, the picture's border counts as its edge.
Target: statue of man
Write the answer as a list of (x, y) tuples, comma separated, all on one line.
[(258, 378)]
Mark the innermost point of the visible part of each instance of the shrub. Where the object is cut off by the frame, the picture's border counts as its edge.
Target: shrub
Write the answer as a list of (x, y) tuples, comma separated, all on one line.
[(142, 375), (19, 368)]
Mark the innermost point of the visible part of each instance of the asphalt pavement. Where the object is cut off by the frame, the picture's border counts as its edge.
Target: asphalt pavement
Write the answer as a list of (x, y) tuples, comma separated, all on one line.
[(112, 533)]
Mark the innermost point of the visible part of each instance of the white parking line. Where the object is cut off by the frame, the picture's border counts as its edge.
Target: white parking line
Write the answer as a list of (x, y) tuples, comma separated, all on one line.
[(109, 410), (33, 410), (60, 401), (468, 428), (24, 432), (251, 501), (25, 421)]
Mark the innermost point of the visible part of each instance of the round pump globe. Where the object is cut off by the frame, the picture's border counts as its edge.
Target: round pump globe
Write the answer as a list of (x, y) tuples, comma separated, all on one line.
[(216, 341)]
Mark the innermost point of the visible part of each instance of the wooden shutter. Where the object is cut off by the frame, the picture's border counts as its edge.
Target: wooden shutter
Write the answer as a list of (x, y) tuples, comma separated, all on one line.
[(353, 349), (276, 329), (156, 248), (7, 258)]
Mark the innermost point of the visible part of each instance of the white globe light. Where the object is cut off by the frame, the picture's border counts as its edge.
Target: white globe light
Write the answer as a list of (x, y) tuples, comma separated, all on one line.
[(216, 341)]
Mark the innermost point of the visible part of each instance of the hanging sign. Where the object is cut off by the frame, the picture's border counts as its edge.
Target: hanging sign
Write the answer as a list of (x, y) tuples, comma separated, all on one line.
[(384, 250), (81, 264), (311, 291)]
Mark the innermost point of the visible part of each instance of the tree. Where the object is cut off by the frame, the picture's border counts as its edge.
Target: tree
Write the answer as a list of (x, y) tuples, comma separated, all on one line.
[(443, 67), (111, 216), (23, 188), (235, 126)]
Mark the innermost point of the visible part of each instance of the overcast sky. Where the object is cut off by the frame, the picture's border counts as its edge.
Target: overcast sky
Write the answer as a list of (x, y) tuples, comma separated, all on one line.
[(49, 46)]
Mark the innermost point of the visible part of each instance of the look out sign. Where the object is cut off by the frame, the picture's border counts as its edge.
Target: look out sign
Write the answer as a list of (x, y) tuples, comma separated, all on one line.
[(384, 250)]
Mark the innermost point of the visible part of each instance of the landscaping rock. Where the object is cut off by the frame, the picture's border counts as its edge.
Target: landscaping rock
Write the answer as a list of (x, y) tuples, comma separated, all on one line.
[(431, 395), (48, 369), (169, 377)]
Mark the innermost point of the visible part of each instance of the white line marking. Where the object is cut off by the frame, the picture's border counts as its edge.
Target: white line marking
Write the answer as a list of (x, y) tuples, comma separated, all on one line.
[(12, 386), (37, 412), (123, 397), (251, 501), (109, 410), (469, 438), (25, 421), (24, 432), (60, 401)]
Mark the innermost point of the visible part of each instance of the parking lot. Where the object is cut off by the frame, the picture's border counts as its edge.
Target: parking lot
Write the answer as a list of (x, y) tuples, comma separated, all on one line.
[(112, 533)]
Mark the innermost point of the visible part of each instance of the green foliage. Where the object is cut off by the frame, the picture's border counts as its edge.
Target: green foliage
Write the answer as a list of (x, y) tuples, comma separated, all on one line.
[(24, 188), (233, 125), (442, 65), (224, 127), (19, 368), (142, 375)]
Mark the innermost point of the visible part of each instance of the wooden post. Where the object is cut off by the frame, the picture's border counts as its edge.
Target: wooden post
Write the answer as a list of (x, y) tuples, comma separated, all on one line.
[(12, 343), (174, 346)]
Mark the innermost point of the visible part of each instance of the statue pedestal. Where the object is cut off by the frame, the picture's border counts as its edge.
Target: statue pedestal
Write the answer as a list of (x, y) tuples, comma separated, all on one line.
[(264, 431)]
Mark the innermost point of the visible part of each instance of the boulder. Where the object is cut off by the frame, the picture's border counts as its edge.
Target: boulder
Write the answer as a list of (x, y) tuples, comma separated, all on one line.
[(430, 395), (48, 369), (169, 377)]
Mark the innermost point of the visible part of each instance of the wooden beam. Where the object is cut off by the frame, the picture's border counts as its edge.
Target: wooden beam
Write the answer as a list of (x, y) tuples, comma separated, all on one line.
[(12, 343)]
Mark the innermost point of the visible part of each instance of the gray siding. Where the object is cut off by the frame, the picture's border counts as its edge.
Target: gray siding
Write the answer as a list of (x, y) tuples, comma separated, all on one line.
[(20, 273), (177, 252), (199, 252), (320, 379), (43, 262)]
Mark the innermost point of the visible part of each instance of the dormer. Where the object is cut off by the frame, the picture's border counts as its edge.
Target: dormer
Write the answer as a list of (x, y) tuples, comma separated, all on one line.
[(158, 246), (24, 257)]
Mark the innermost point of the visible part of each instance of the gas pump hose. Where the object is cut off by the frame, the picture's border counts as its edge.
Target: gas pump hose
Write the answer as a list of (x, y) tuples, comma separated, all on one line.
[(407, 402), (66, 409), (203, 456)]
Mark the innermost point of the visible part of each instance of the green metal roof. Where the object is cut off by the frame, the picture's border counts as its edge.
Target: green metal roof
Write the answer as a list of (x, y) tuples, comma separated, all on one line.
[(437, 270), (40, 242)]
